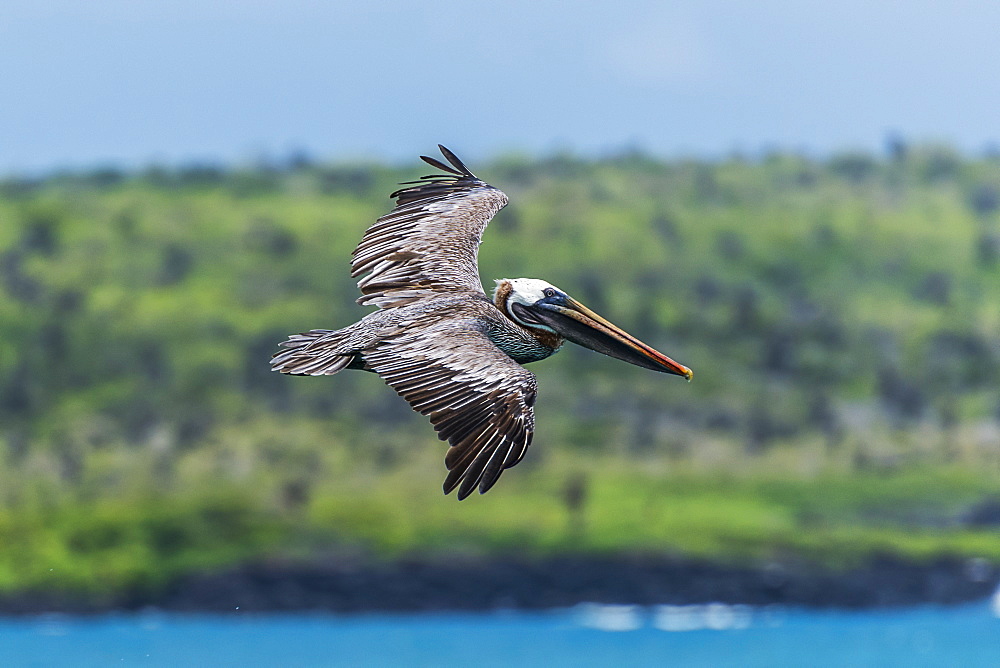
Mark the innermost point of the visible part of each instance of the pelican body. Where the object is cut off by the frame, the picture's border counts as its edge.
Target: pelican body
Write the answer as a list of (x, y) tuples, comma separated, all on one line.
[(452, 352)]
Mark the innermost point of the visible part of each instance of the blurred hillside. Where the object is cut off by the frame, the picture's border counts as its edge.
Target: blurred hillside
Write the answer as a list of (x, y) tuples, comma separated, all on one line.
[(840, 315)]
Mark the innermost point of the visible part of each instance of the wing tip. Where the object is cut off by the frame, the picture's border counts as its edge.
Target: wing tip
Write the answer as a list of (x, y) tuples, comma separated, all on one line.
[(456, 161), (468, 476), (437, 164), (457, 169), (457, 177)]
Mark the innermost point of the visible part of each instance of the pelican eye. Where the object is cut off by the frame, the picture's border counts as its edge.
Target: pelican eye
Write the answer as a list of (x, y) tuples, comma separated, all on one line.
[(549, 292)]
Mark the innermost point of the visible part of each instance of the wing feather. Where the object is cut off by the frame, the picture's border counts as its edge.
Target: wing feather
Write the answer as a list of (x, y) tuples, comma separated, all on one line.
[(429, 243), (477, 398)]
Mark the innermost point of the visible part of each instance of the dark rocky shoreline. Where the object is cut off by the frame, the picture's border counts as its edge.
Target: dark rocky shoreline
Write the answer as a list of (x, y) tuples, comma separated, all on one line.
[(463, 584)]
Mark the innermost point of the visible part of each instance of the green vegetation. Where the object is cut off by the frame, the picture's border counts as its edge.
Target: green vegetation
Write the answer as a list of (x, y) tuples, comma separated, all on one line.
[(841, 318)]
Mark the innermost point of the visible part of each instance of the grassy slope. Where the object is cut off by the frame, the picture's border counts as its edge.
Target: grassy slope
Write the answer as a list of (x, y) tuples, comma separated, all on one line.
[(840, 317), (833, 520)]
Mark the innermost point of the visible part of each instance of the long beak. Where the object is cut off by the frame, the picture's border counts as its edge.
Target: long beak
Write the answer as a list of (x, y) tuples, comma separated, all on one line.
[(579, 324)]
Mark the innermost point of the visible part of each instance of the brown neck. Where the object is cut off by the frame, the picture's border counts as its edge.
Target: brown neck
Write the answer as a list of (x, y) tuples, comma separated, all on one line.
[(544, 336), (500, 295)]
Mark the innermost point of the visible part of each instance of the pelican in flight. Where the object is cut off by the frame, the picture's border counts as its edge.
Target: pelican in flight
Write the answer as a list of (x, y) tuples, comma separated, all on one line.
[(452, 352)]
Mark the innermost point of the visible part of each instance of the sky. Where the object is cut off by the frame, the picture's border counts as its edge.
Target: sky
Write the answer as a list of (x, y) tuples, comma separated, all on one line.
[(133, 82)]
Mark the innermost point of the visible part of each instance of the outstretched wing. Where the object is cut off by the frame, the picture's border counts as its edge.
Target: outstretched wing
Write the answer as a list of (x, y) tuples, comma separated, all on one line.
[(430, 242), (477, 398)]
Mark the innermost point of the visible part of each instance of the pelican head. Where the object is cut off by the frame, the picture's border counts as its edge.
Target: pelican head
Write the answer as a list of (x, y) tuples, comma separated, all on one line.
[(541, 306)]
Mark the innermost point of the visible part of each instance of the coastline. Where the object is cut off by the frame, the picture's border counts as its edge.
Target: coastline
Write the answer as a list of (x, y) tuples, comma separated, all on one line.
[(483, 584)]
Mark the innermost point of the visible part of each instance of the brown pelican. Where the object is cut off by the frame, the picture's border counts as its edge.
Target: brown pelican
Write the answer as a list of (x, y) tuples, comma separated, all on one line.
[(453, 353)]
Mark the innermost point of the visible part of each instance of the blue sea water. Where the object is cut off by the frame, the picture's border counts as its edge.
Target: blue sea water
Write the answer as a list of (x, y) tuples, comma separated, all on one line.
[(588, 635)]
